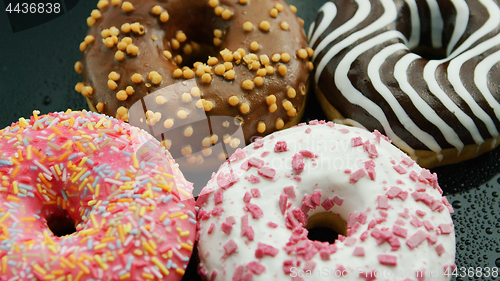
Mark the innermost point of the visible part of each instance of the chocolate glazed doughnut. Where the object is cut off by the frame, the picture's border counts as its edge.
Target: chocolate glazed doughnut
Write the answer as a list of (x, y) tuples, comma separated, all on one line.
[(425, 73), (250, 61)]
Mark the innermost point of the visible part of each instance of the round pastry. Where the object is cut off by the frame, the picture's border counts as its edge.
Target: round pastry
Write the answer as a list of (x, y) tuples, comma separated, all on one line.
[(423, 73), (390, 213), (113, 189), (249, 60)]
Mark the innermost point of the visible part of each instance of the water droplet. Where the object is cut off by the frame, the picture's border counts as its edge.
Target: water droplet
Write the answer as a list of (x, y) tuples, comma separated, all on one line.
[(497, 262), (488, 230), (47, 100), (456, 204)]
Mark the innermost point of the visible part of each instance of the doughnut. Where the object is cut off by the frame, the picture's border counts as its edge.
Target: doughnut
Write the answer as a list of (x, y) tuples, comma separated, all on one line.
[(424, 73), (249, 60), (390, 214), (88, 197)]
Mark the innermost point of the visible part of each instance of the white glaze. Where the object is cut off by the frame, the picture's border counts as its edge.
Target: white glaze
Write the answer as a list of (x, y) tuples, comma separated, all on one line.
[(330, 173)]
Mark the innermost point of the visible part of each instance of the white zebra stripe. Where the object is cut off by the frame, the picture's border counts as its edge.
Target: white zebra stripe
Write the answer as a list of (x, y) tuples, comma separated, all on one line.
[(437, 24), (361, 14), (329, 11), (481, 80), (354, 96), (401, 75), (454, 78), (374, 74), (389, 16), (415, 24), (460, 25)]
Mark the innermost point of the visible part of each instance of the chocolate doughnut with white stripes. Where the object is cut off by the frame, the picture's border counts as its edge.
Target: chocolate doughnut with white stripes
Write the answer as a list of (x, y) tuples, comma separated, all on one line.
[(423, 72)]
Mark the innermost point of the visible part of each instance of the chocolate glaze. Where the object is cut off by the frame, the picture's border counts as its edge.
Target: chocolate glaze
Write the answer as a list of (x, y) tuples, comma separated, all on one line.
[(197, 20)]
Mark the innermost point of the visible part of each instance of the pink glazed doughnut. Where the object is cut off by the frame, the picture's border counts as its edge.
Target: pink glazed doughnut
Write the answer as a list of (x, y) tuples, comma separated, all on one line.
[(131, 206), (254, 213)]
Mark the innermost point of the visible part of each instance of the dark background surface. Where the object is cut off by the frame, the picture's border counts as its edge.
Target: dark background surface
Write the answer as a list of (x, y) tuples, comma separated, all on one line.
[(36, 72)]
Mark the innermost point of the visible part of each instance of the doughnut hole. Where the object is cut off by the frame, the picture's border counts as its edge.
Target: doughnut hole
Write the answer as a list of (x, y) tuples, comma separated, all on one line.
[(325, 227), (59, 222), (429, 53)]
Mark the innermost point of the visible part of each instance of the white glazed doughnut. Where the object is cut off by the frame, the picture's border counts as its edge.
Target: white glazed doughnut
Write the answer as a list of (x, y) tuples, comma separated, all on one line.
[(392, 214)]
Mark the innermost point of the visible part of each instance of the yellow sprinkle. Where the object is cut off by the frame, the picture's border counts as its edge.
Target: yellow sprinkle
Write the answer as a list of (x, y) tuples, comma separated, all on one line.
[(15, 188), (92, 202), (79, 276), (52, 249), (100, 122), (90, 127), (158, 263), (45, 181), (67, 144), (134, 159), (84, 268), (4, 265), (176, 215), (148, 276), (62, 157), (94, 220), (28, 219), (183, 217), (80, 146), (75, 178), (62, 278), (152, 243), (163, 216), (28, 152), (14, 173), (168, 175), (100, 246), (12, 198), (67, 262), (48, 239), (138, 252), (125, 276), (23, 122), (55, 129), (142, 211), (186, 246), (51, 136), (86, 232), (20, 153), (148, 248), (39, 269), (97, 189), (121, 234), (184, 192), (92, 146), (83, 184), (101, 263), (58, 171), (84, 159), (180, 271), (184, 233), (70, 277)]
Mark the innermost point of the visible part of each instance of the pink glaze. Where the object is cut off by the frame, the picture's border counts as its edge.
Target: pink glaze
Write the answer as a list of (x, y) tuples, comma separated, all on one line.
[(133, 210)]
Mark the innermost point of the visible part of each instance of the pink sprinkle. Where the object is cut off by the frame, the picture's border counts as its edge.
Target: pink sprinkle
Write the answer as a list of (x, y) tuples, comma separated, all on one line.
[(349, 241), (231, 220), (258, 143), (369, 276), (359, 252), (440, 249), (238, 155), (337, 200), (394, 242), (253, 179), (282, 202), (290, 192), (217, 211), (264, 249), (316, 197), (393, 192), (300, 216), (230, 247), (408, 162), (416, 222), (363, 236), (256, 267), (428, 225), (247, 197), (372, 151), (254, 210), (308, 130), (298, 163), (244, 224), (264, 154), (267, 172), (245, 166), (356, 176), (413, 176), (371, 173), (327, 204), (287, 266), (226, 180), (399, 231), (420, 213), (362, 218), (313, 122), (272, 224), (202, 199), (255, 192), (357, 141), (309, 266), (387, 260), (307, 153), (383, 202), (280, 146), (416, 239), (211, 228), (403, 195), (256, 162), (432, 239), (344, 130), (369, 164), (226, 228), (399, 169), (445, 228), (238, 273), (218, 197), (352, 219)]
